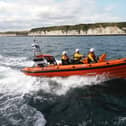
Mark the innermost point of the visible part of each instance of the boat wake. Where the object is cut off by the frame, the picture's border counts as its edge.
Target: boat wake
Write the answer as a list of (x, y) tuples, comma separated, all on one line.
[(26, 100), (11, 76), (15, 61), (14, 110)]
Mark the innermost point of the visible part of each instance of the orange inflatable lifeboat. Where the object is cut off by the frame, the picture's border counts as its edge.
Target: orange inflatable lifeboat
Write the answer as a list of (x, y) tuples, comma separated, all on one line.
[(112, 68)]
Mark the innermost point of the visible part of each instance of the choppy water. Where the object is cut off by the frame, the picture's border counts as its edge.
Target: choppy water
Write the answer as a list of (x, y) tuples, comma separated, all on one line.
[(71, 101)]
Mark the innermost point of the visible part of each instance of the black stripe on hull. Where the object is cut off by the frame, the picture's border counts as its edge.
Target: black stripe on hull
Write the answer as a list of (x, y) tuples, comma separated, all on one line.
[(77, 69)]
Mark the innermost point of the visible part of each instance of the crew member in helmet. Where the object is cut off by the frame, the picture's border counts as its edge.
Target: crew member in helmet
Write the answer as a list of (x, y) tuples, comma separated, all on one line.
[(77, 56), (91, 56), (65, 58)]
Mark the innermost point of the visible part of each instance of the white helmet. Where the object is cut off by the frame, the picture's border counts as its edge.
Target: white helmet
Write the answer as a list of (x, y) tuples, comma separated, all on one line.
[(92, 49), (77, 50), (64, 52)]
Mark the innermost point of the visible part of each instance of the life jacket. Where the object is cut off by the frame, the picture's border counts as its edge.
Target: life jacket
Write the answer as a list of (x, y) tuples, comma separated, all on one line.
[(64, 57), (77, 56), (91, 57)]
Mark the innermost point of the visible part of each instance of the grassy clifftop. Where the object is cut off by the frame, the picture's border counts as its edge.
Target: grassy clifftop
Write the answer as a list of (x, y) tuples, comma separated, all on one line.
[(79, 27), (15, 33)]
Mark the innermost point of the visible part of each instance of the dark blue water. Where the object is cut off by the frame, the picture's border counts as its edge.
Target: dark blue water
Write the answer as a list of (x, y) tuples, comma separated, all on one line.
[(71, 101)]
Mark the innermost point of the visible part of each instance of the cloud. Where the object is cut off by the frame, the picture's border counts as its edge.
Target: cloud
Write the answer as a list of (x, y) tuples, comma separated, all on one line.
[(26, 14)]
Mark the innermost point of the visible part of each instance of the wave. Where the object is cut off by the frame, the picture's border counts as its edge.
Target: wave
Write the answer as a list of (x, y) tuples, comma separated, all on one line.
[(60, 86), (26, 100), (94, 104), (15, 61), (15, 86), (14, 110), (12, 80)]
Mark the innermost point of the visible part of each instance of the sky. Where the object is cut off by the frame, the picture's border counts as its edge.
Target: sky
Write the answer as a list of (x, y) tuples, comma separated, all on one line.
[(28, 14)]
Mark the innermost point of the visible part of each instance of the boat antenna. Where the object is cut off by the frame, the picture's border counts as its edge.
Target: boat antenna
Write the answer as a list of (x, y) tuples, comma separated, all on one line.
[(36, 48)]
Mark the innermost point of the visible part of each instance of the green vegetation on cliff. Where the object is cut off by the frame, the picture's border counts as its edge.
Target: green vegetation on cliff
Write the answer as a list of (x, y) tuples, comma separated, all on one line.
[(18, 33), (67, 28), (78, 27)]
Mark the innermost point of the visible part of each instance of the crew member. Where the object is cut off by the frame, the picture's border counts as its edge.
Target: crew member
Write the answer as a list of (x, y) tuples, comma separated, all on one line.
[(77, 57), (91, 56), (65, 58), (36, 48)]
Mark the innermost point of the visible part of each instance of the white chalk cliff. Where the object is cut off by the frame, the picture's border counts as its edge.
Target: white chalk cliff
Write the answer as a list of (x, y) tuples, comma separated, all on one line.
[(75, 30), (109, 30)]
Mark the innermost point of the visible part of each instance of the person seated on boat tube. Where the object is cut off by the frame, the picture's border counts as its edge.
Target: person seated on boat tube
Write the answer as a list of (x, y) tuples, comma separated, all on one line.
[(65, 58), (91, 56), (77, 56)]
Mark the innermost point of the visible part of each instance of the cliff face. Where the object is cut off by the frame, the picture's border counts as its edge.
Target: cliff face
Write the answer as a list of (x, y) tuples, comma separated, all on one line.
[(90, 31), (66, 30), (109, 30), (106, 30)]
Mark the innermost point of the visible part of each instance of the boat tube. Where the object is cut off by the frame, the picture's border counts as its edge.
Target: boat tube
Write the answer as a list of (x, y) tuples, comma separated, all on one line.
[(111, 68)]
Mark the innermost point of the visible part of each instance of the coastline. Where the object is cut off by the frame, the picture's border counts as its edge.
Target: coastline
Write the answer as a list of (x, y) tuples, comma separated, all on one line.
[(97, 29), (62, 35), (66, 35)]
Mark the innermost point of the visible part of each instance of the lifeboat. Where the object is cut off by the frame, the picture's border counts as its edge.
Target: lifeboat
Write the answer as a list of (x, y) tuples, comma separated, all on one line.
[(112, 68)]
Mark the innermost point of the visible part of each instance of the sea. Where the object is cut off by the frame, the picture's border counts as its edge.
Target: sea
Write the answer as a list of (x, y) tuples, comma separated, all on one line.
[(60, 101)]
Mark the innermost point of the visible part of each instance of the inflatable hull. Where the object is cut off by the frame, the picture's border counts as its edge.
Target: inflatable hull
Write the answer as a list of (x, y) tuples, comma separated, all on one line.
[(110, 68)]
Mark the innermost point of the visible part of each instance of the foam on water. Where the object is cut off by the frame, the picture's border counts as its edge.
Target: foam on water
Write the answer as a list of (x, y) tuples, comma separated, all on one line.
[(15, 61), (13, 80), (60, 86), (16, 112), (87, 105), (14, 85)]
